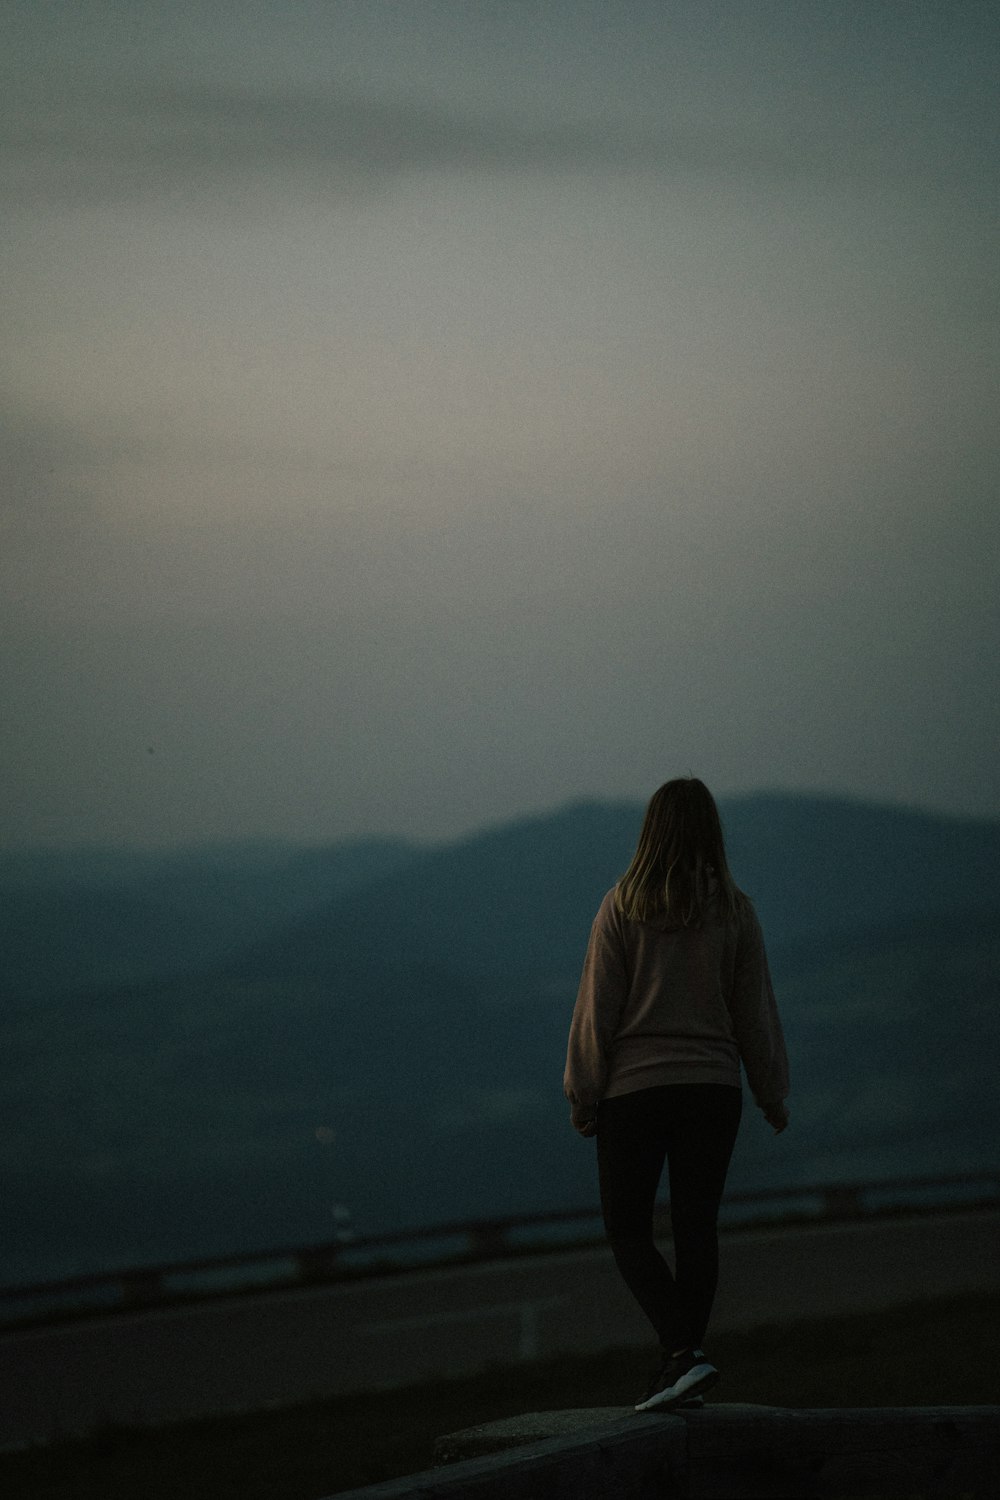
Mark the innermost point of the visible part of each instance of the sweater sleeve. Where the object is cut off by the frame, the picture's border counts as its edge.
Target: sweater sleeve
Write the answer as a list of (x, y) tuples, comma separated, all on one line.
[(599, 1002), (756, 1022)]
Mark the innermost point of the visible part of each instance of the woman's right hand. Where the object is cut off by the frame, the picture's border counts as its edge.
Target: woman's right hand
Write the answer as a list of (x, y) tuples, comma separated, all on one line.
[(776, 1115)]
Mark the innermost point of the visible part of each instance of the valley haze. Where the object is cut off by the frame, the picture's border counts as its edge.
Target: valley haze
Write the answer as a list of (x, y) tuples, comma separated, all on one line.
[(227, 1048)]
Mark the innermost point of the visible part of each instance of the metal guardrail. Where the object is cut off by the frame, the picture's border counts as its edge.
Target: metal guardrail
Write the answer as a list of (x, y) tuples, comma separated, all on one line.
[(467, 1240)]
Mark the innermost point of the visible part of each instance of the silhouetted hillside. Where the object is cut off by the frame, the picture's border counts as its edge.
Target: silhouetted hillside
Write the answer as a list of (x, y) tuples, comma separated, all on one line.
[(55, 939), (817, 866), (76, 920), (518, 900)]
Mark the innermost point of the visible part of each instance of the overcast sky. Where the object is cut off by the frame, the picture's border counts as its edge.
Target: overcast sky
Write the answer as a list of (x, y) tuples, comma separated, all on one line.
[(421, 414)]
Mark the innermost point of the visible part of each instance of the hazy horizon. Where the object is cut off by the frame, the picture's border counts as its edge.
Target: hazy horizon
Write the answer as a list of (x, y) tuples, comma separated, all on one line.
[(428, 844)]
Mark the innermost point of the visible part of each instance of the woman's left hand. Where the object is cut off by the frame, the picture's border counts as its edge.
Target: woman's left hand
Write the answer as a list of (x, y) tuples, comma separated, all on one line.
[(584, 1117)]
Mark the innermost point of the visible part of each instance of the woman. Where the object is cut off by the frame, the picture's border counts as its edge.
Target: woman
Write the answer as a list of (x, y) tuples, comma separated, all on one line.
[(675, 993)]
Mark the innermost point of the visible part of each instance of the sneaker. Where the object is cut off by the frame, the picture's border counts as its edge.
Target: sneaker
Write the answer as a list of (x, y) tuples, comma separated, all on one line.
[(693, 1400), (678, 1380)]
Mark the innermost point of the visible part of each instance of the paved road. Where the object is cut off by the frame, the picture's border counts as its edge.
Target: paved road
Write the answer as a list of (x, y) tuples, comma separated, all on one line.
[(285, 1347)]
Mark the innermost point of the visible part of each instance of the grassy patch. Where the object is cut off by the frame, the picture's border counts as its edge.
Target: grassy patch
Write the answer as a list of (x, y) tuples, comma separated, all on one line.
[(927, 1354)]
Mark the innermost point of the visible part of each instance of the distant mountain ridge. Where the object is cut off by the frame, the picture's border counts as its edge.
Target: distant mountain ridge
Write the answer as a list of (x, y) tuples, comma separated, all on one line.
[(814, 867), (396, 1043)]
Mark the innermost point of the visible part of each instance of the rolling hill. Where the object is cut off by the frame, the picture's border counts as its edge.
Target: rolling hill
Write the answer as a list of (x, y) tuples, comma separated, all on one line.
[(75, 920)]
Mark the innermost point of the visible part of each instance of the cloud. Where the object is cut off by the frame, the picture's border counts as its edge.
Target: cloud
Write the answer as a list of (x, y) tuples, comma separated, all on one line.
[(165, 140), (160, 140)]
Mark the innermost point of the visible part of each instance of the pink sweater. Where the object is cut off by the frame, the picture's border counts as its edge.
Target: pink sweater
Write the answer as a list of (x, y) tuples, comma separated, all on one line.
[(660, 1004)]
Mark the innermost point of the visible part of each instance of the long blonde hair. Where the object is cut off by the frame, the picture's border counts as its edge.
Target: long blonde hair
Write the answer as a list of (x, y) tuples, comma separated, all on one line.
[(680, 861)]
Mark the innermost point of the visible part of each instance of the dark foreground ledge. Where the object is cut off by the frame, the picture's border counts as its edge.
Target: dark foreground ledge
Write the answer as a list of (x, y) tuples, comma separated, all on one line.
[(722, 1452)]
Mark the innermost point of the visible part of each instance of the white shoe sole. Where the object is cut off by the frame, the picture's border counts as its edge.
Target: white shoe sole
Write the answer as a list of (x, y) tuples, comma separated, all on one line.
[(699, 1378)]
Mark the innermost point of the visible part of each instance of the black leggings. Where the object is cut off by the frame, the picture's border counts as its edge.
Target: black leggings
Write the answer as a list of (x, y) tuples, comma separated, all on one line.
[(693, 1127)]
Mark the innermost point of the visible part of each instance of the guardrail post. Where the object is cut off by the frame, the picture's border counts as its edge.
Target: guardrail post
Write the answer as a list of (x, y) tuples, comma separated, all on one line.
[(486, 1241), (141, 1287), (842, 1201), (318, 1263)]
